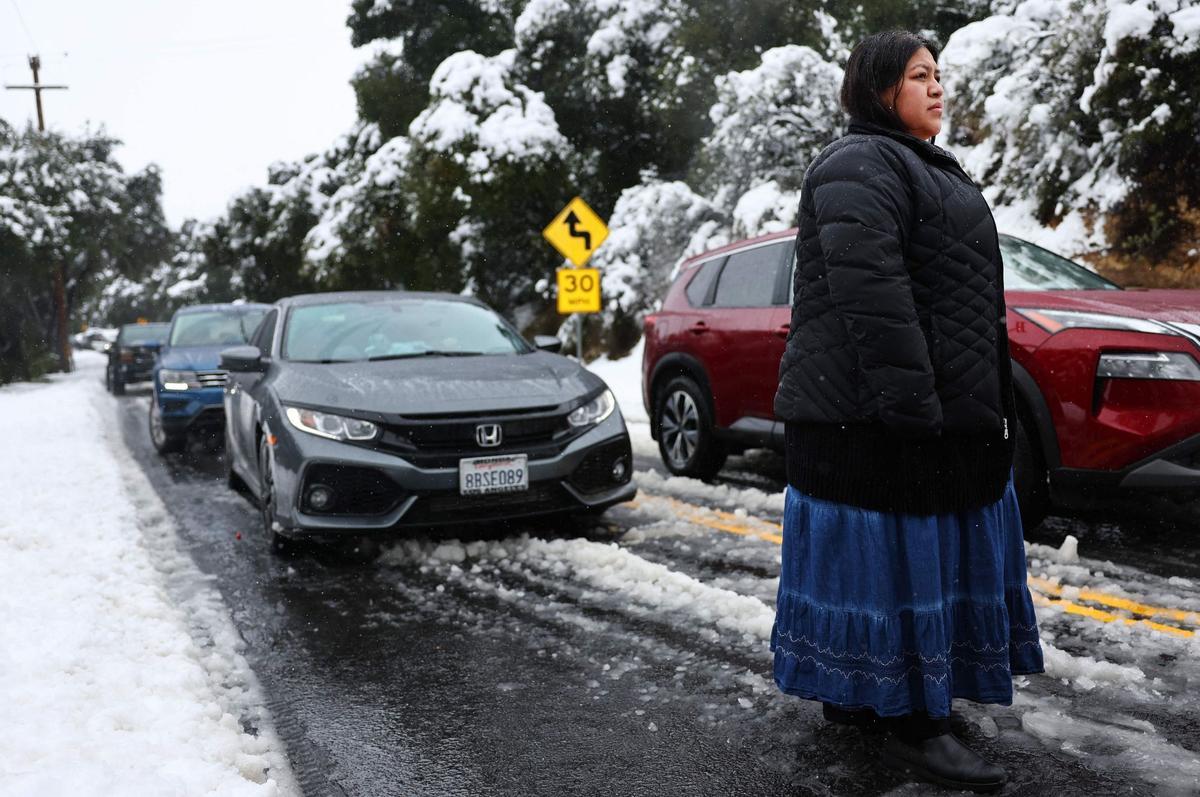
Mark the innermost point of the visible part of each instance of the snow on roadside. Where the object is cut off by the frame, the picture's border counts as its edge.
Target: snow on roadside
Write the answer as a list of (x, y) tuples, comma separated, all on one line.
[(743, 501), (121, 668)]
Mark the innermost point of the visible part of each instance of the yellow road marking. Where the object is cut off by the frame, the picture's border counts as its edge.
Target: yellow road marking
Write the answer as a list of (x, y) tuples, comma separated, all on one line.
[(1045, 592), (718, 519), (1107, 617), (1115, 601)]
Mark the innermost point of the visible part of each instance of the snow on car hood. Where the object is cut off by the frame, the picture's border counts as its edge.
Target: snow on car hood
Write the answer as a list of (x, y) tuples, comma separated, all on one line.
[(437, 385), (192, 358), (1180, 306)]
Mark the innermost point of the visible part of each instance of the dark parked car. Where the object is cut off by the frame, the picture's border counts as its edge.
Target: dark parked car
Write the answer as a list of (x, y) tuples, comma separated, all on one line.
[(188, 382), (1107, 380), (131, 358), (362, 412)]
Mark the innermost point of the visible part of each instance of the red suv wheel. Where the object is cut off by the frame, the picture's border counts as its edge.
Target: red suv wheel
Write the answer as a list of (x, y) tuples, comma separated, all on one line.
[(685, 431)]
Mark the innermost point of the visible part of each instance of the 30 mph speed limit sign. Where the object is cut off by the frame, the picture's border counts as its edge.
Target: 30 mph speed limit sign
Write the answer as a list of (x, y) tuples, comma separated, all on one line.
[(578, 290)]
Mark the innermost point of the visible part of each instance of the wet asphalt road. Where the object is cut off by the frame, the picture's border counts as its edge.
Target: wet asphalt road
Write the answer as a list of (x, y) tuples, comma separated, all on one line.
[(384, 678)]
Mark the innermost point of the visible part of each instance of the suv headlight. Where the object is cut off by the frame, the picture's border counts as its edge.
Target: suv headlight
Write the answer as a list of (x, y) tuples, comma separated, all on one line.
[(1149, 365), (178, 380), (1057, 320), (335, 427), (594, 411)]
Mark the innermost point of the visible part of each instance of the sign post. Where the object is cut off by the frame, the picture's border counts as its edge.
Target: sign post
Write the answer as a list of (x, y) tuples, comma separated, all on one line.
[(576, 232)]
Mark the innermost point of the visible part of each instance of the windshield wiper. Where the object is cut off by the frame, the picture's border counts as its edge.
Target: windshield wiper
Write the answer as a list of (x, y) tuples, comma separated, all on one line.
[(430, 353)]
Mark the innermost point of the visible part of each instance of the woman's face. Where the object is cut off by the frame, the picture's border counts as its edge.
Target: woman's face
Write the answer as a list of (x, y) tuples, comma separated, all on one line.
[(917, 98)]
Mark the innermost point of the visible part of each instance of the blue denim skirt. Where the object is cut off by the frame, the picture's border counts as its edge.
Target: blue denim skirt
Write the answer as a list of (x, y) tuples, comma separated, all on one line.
[(902, 613)]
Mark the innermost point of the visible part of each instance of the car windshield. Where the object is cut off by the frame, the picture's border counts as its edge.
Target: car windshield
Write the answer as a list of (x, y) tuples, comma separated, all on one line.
[(395, 329), (215, 327), (136, 334), (1031, 268)]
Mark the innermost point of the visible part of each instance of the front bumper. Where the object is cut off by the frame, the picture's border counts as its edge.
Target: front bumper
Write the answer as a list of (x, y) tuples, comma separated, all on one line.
[(192, 410), (1176, 468), (391, 493)]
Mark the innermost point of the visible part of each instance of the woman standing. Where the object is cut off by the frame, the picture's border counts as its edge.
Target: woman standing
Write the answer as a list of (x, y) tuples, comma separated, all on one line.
[(903, 579)]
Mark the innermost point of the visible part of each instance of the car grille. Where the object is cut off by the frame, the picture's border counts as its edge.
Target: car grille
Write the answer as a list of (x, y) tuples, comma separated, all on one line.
[(440, 442), (211, 378), (431, 510)]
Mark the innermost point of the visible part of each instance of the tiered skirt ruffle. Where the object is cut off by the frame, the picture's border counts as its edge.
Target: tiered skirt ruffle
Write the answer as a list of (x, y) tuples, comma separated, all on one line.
[(903, 613)]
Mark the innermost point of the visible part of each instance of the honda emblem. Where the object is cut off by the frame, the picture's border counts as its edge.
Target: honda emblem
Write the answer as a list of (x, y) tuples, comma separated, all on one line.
[(488, 435)]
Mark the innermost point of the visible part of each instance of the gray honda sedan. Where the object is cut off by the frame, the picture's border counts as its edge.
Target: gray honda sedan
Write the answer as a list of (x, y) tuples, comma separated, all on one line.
[(372, 411)]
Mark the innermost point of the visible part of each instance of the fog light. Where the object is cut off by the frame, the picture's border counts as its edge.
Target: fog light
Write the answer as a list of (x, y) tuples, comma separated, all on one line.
[(619, 469), (320, 497)]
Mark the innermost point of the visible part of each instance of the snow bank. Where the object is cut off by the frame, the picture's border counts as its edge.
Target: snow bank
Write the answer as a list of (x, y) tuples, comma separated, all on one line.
[(110, 685)]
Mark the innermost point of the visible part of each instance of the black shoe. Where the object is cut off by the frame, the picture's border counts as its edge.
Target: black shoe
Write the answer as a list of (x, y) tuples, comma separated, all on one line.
[(943, 760)]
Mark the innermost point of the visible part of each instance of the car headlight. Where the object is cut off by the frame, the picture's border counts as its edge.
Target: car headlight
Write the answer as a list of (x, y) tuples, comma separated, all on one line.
[(594, 411), (1057, 320), (178, 380), (335, 427), (1149, 365)]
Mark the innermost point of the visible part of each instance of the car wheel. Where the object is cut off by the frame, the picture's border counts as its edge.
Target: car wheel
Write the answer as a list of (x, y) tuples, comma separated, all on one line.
[(685, 431), (108, 378), (164, 442), (277, 542), (1029, 478), (116, 385)]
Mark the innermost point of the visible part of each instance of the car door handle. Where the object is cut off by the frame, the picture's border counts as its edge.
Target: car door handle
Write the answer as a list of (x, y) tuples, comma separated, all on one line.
[(783, 330), (699, 328)]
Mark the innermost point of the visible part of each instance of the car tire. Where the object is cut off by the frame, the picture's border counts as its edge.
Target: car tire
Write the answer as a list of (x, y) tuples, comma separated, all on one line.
[(1030, 477), (277, 542), (164, 442), (116, 385), (108, 378), (686, 441)]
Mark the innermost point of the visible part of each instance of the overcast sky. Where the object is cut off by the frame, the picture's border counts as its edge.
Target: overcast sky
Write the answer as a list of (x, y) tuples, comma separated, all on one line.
[(211, 90)]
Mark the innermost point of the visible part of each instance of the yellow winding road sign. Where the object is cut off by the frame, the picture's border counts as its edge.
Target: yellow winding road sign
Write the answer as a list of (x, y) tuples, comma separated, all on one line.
[(576, 232)]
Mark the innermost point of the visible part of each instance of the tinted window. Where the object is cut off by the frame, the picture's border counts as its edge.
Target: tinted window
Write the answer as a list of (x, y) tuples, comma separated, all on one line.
[(266, 331), (215, 327), (702, 278), (748, 279), (135, 334), (394, 328), (1031, 268)]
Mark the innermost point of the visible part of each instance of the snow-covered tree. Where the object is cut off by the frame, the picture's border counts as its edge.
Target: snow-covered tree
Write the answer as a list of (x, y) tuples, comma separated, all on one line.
[(1085, 113), (65, 202), (411, 38), (487, 169), (769, 122)]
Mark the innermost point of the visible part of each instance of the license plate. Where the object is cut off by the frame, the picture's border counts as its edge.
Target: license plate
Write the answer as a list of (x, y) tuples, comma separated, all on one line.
[(485, 475)]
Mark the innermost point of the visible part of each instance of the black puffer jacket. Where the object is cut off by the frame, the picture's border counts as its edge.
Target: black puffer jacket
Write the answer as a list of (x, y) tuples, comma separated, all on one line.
[(896, 385)]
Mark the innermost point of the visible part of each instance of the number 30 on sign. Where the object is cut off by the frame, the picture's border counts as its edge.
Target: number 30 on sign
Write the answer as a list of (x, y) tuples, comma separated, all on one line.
[(578, 290)]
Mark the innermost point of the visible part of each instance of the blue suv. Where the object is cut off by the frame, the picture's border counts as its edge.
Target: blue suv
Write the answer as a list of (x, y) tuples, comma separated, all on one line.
[(189, 386)]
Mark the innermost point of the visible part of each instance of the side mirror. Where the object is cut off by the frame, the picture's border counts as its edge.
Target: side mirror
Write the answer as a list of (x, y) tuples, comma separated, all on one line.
[(547, 343), (243, 360)]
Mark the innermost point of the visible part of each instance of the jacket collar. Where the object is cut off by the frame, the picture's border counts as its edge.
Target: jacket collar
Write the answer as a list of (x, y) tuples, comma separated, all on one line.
[(927, 150)]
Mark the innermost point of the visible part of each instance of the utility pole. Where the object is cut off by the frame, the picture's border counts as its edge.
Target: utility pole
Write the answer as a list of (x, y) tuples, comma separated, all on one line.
[(60, 272)]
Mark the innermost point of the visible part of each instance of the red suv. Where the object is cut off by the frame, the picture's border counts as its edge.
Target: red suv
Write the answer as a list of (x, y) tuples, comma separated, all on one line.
[(1107, 380)]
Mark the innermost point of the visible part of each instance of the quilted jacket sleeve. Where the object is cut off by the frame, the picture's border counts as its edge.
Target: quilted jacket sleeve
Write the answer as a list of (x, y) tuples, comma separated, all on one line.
[(863, 207)]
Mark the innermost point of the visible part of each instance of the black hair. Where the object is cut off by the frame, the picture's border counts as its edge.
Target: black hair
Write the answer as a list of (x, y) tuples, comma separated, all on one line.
[(876, 64)]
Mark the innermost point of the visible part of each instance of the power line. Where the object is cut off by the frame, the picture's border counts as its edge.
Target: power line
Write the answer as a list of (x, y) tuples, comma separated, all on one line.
[(21, 17)]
